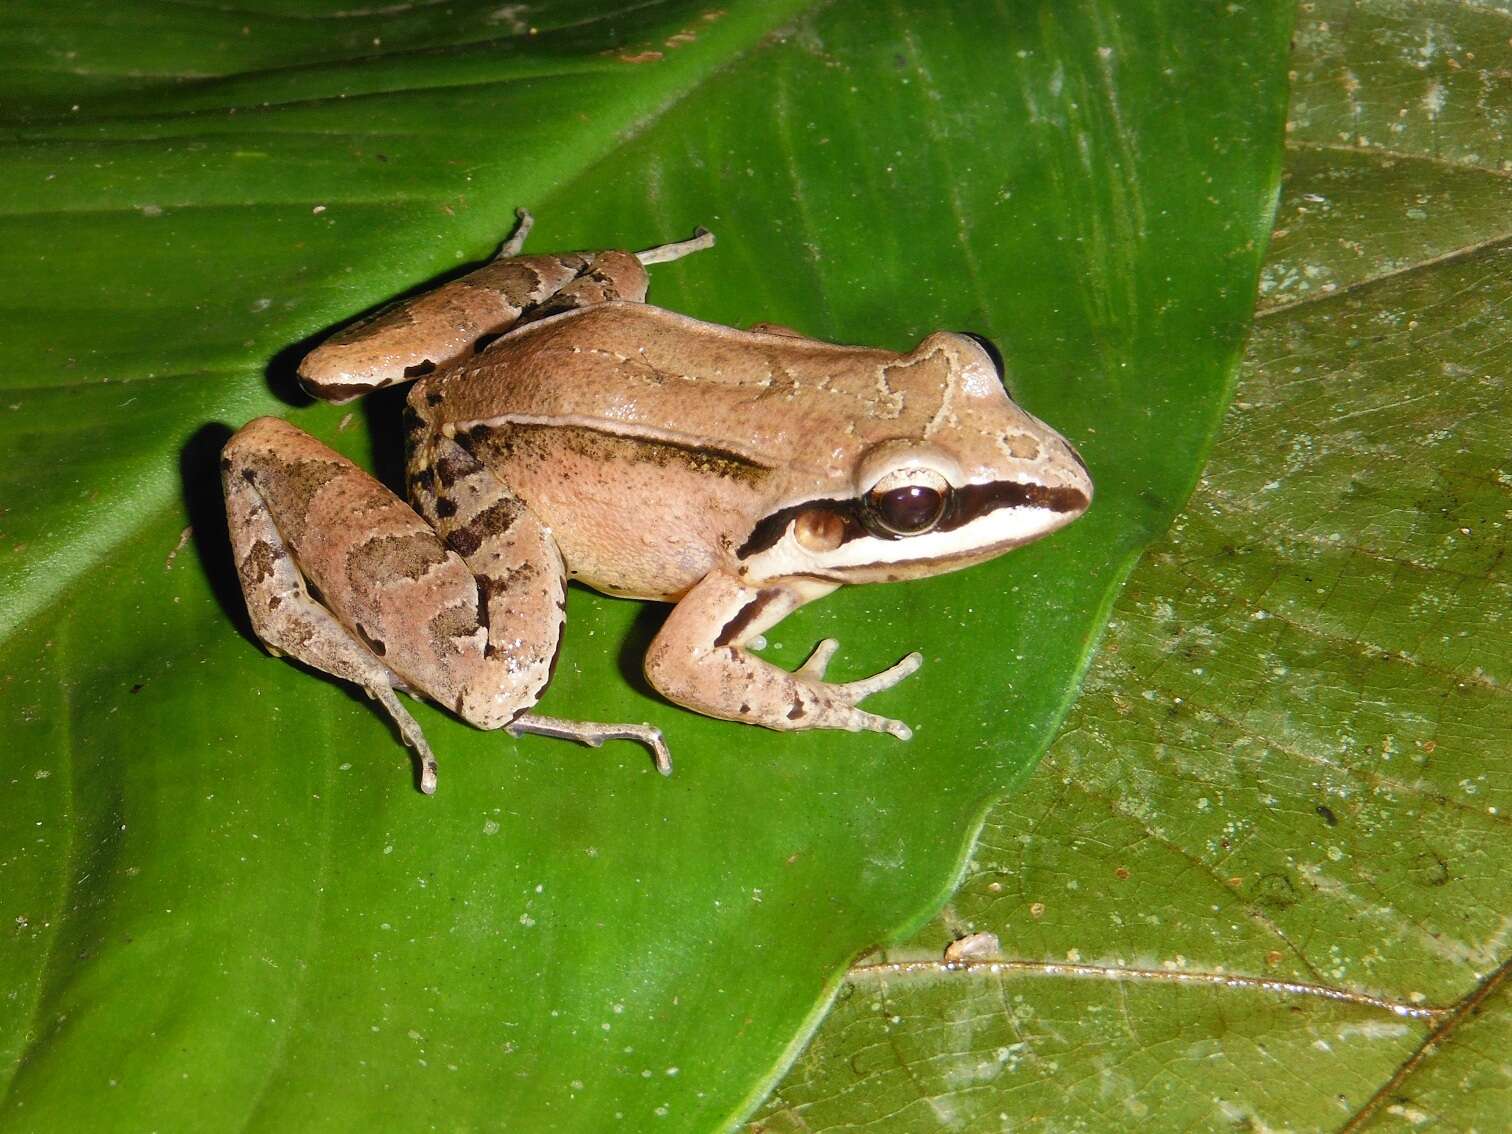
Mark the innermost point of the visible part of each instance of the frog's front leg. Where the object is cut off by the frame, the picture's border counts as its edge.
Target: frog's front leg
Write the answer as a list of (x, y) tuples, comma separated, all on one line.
[(346, 577), (699, 660), (459, 319)]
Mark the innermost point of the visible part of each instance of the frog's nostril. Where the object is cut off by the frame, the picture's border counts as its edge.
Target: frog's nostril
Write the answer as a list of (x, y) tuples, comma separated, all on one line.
[(1086, 477), (1077, 457)]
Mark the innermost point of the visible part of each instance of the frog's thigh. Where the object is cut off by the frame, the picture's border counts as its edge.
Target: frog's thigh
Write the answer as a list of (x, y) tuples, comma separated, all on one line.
[(396, 605), (284, 614)]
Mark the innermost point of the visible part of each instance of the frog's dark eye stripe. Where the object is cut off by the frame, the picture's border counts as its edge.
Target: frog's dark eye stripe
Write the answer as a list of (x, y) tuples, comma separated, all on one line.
[(974, 500), (962, 506)]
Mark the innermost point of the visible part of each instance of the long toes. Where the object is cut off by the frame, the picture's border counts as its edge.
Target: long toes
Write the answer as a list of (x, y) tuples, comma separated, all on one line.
[(856, 690), (409, 730), (702, 238), (659, 750), (819, 660), (873, 723), (652, 738), (594, 733), (516, 241)]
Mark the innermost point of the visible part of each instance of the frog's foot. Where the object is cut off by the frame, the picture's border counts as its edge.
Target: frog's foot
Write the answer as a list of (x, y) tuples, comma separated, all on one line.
[(409, 729), (516, 241), (841, 698), (594, 733), (663, 253)]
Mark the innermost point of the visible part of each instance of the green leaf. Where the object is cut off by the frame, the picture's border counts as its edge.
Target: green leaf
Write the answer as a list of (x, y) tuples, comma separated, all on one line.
[(225, 904), (1261, 880)]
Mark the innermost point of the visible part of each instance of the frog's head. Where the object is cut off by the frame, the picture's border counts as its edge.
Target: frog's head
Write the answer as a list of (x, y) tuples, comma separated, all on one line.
[(959, 474)]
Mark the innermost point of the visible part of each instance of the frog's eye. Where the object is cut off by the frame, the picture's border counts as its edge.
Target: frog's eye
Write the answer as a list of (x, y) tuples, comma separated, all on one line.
[(906, 502), (992, 351)]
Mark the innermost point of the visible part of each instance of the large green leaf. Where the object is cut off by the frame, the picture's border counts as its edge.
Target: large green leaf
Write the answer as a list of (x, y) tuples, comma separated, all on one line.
[(1262, 879), (226, 904)]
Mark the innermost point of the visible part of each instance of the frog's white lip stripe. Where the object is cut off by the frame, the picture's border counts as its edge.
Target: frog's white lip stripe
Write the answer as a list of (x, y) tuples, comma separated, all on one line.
[(989, 534), (999, 530)]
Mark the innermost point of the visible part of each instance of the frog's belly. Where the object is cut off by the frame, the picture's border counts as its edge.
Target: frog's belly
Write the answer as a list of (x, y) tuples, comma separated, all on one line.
[(608, 550), (632, 516)]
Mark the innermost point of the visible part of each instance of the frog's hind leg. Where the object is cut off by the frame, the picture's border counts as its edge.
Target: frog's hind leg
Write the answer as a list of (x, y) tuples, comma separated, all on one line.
[(279, 482), (610, 276), (440, 327), (346, 577), (459, 319)]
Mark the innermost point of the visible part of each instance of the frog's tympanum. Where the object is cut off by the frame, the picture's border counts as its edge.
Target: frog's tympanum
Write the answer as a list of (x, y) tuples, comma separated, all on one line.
[(559, 428)]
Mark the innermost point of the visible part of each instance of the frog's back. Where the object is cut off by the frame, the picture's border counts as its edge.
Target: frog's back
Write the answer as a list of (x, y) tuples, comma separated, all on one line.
[(651, 443), (631, 369)]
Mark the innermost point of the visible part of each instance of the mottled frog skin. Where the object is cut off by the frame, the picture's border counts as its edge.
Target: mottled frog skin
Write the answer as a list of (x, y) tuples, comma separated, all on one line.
[(559, 428)]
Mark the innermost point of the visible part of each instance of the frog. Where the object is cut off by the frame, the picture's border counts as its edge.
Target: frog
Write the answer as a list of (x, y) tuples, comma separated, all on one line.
[(559, 427)]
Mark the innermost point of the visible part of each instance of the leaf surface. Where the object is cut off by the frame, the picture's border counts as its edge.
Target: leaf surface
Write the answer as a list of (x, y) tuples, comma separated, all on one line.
[(1261, 879), (226, 905)]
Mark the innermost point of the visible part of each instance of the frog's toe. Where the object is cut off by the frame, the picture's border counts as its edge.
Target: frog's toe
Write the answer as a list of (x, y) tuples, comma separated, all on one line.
[(870, 722), (410, 730), (516, 242), (651, 737), (659, 751), (663, 253), (841, 698), (857, 690), (594, 733), (819, 660)]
